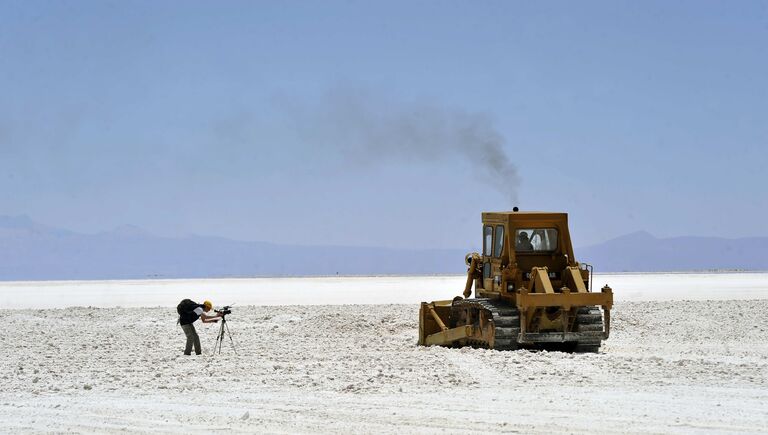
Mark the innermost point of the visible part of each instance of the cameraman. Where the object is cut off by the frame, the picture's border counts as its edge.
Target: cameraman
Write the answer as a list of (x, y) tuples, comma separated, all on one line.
[(189, 312)]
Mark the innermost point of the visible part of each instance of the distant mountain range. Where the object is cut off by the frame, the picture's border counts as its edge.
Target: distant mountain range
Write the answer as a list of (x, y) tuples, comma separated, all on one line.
[(31, 251), (642, 252)]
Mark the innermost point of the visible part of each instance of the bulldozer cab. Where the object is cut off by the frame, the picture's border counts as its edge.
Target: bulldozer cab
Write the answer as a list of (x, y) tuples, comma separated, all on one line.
[(515, 242)]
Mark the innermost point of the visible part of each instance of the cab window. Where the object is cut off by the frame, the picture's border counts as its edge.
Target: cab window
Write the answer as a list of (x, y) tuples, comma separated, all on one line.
[(498, 243), (487, 240), (486, 270), (536, 240)]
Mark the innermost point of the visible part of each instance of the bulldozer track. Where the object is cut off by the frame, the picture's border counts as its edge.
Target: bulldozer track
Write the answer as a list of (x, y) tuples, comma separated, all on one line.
[(506, 321), (589, 319), (506, 324)]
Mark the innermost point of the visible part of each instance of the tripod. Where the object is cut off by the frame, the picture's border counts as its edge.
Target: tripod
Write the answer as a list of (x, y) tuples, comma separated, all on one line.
[(220, 337)]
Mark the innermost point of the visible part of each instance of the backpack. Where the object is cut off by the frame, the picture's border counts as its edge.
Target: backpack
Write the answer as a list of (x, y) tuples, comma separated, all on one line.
[(186, 310)]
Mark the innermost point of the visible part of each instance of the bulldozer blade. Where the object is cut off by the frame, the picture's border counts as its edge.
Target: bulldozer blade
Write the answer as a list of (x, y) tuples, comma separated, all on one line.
[(449, 336)]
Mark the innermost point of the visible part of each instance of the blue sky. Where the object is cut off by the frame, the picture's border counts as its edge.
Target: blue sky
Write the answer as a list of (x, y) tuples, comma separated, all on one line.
[(225, 119)]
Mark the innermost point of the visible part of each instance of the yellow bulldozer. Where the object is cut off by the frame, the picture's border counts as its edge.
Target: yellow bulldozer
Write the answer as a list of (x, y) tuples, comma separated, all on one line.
[(530, 292)]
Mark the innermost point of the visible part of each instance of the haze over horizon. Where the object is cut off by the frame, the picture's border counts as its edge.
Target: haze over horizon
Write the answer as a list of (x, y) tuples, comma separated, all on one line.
[(30, 251), (385, 124), (29, 222)]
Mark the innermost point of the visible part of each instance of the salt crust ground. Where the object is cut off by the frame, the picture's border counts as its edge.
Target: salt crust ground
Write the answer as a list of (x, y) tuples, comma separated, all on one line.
[(669, 367), (628, 287)]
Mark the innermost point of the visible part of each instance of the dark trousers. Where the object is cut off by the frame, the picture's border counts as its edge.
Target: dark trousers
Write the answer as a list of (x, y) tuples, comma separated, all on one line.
[(192, 338)]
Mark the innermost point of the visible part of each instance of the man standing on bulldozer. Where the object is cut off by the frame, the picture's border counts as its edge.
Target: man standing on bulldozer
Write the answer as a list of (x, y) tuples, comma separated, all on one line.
[(189, 311)]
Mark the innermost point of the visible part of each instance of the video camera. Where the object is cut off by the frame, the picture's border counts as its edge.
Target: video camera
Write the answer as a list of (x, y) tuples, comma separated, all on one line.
[(224, 310)]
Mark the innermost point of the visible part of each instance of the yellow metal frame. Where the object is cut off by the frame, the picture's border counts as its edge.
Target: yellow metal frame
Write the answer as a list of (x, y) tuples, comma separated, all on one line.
[(541, 294), (566, 299)]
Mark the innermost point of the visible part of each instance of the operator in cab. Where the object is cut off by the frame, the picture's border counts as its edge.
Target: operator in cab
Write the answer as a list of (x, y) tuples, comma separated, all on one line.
[(523, 243)]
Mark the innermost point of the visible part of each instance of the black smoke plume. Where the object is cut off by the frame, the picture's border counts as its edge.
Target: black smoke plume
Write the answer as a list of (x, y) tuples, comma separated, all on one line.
[(369, 130)]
